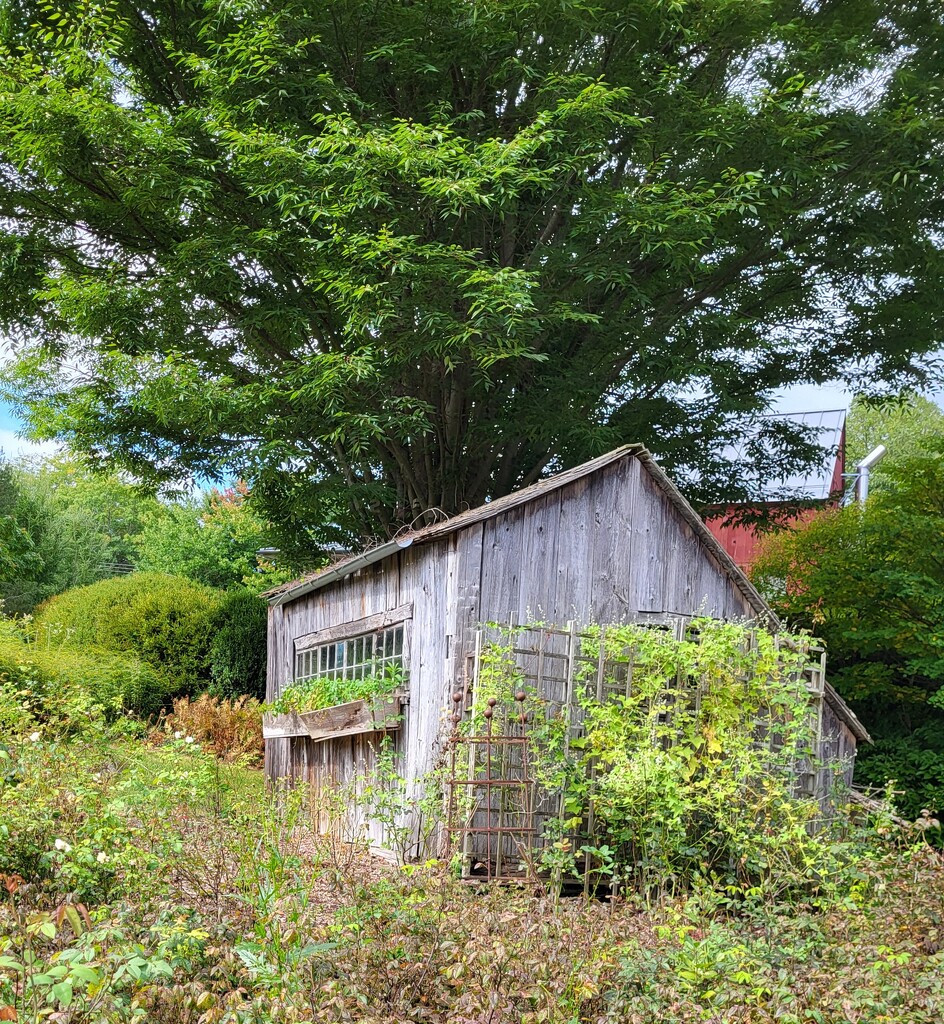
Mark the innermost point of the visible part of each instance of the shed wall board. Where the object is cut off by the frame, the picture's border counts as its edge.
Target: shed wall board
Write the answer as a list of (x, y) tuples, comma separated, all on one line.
[(621, 551), (567, 592), (614, 552), (537, 589), (502, 565), (467, 587)]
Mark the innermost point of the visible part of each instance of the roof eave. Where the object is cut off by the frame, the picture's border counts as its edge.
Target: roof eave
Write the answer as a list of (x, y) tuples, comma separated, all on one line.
[(309, 586)]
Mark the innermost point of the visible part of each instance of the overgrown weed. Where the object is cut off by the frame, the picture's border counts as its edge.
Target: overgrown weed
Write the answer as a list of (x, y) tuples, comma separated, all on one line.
[(159, 884)]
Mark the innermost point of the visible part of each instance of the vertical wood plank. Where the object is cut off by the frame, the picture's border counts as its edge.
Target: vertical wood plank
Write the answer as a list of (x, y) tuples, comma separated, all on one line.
[(502, 565), (614, 581), (467, 613), (574, 588), (540, 533), (648, 530)]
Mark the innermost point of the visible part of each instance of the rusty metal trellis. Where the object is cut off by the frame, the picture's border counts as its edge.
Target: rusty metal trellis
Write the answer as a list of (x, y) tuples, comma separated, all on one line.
[(497, 813), (495, 808), (494, 799)]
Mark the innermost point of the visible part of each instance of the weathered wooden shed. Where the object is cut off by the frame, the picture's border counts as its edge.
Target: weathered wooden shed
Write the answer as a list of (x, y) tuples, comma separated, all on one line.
[(612, 540)]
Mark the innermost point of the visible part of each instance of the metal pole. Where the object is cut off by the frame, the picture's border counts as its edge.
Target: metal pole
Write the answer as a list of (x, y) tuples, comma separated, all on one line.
[(864, 468)]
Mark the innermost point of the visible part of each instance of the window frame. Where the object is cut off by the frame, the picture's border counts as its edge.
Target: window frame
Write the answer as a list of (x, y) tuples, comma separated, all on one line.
[(313, 651)]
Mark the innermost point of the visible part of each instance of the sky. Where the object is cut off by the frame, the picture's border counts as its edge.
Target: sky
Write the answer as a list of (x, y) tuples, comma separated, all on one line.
[(14, 446)]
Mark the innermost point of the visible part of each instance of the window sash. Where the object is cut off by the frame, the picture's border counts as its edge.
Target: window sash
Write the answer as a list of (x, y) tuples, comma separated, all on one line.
[(354, 657)]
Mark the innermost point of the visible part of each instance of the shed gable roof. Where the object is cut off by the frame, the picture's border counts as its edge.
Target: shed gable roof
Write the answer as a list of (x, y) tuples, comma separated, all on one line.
[(324, 577)]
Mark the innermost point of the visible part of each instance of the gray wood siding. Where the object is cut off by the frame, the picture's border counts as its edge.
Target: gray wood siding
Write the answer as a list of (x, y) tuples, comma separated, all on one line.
[(606, 548), (413, 576), (837, 753)]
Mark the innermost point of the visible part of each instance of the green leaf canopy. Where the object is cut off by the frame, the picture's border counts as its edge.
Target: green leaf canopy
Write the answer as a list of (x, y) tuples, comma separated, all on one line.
[(381, 257)]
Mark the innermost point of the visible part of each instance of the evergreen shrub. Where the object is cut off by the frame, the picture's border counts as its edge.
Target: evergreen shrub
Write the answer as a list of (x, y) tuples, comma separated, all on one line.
[(238, 649), (166, 621)]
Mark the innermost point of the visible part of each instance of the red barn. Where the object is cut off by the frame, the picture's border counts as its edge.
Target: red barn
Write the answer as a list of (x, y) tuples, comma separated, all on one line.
[(824, 484)]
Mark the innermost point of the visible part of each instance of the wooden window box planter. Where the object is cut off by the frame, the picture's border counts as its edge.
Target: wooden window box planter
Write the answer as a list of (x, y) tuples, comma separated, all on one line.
[(282, 726), (380, 714)]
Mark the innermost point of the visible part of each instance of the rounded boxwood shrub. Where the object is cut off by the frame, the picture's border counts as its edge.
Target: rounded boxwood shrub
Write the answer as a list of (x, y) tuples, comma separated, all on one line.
[(238, 651), (166, 621)]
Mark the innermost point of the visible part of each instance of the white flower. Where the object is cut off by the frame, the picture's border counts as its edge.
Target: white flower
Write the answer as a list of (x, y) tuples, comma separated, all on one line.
[(34, 737), (61, 844), (102, 857), (178, 734), (189, 739)]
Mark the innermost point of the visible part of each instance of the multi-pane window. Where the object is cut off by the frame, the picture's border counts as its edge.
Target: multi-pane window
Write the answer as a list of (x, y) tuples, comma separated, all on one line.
[(353, 658)]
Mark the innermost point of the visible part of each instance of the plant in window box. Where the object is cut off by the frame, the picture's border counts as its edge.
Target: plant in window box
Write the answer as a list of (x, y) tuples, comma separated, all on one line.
[(329, 706)]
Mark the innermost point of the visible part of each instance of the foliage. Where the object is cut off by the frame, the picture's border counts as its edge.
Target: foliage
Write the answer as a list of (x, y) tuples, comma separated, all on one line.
[(166, 621), (212, 539), (238, 649), (158, 884), (669, 765), (65, 526), (909, 427), (52, 685), (327, 691), (231, 729), (17, 555), (85, 838), (354, 254), (87, 826), (871, 582)]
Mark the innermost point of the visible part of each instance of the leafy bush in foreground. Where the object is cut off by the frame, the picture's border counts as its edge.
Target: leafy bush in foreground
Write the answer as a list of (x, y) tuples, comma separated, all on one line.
[(141, 883), (166, 621)]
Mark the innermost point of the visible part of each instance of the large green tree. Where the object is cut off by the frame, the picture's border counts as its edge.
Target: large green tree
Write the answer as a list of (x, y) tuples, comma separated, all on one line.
[(213, 539), (908, 427), (379, 257), (63, 526)]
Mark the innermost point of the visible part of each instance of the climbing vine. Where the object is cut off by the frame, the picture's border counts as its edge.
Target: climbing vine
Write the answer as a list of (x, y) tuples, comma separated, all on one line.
[(679, 757)]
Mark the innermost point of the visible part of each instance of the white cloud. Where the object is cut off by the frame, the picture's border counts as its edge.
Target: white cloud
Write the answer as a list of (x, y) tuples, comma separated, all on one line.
[(14, 447)]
